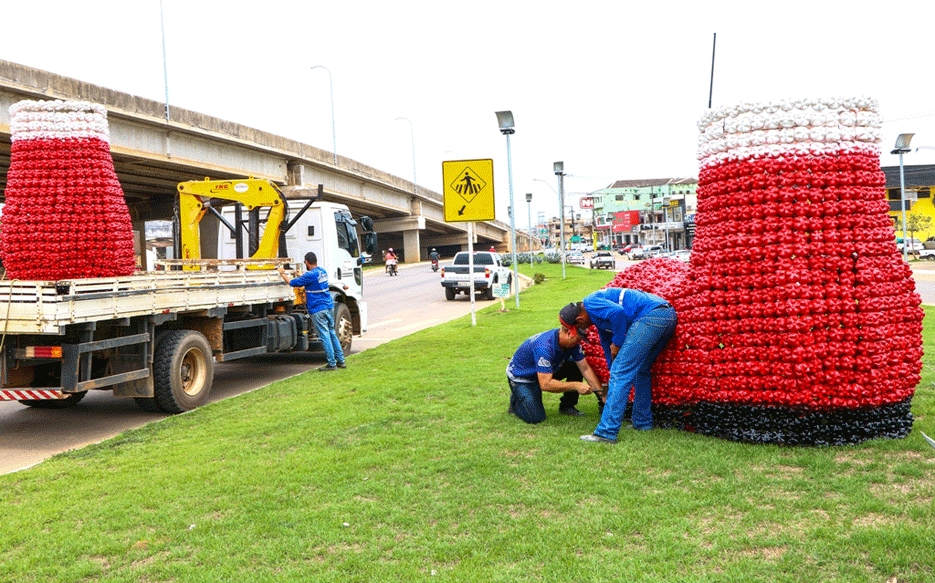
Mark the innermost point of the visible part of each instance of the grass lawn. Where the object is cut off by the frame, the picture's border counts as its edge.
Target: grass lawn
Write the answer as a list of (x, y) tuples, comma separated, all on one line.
[(406, 467)]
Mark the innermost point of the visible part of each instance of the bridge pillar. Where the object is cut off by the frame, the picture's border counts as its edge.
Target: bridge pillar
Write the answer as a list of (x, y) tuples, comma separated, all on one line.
[(411, 246)]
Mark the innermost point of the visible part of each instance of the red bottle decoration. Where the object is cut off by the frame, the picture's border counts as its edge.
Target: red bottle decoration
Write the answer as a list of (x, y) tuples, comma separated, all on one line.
[(798, 318), (65, 216)]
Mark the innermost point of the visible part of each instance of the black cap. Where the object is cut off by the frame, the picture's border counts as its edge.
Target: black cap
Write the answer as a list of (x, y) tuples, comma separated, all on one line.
[(567, 317)]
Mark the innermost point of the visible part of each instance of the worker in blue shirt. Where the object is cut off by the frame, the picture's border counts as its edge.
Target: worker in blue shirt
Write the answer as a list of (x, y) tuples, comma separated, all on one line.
[(634, 327), (321, 307), (550, 361)]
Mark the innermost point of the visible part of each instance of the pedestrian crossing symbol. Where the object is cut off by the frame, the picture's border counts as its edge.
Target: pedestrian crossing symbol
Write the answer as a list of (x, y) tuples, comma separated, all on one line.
[(468, 184), (468, 190)]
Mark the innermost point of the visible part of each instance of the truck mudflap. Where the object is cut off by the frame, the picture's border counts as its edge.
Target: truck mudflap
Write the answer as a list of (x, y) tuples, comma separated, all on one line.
[(31, 395)]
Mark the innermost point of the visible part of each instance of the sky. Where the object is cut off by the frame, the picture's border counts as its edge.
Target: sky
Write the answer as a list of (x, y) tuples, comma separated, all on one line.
[(612, 89)]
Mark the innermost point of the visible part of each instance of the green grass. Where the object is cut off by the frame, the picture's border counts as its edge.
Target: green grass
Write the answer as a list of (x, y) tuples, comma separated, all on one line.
[(406, 466)]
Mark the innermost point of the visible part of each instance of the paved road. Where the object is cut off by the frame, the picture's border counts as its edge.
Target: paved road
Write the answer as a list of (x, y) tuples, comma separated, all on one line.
[(398, 306)]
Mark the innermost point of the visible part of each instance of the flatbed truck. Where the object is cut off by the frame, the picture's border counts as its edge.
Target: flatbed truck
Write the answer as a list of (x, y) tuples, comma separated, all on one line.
[(155, 336)]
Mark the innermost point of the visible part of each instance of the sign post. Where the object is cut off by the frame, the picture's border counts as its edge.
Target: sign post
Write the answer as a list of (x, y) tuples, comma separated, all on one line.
[(467, 193)]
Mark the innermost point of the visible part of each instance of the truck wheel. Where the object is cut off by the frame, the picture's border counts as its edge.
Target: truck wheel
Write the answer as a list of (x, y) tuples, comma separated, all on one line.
[(69, 401), (343, 326), (183, 369), (449, 293)]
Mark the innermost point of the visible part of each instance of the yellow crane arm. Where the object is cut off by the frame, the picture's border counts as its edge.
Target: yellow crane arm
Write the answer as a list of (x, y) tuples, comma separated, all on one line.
[(194, 199)]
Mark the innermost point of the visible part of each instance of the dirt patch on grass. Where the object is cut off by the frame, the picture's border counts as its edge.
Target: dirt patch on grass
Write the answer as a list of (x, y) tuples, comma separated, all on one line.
[(768, 554), (873, 520), (857, 458)]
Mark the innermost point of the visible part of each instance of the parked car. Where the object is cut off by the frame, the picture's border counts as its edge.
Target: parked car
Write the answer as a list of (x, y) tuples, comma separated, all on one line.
[(574, 257), (653, 251), (624, 249), (682, 255), (603, 260), (635, 253), (914, 245)]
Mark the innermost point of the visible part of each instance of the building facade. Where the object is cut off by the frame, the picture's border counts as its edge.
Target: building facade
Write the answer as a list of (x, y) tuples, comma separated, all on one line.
[(654, 211), (920, 210)]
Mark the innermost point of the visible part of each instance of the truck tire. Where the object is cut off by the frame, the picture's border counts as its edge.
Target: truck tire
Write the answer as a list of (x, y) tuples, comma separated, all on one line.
[(183, 370), (343, 326), (449, 293), (69, 401)]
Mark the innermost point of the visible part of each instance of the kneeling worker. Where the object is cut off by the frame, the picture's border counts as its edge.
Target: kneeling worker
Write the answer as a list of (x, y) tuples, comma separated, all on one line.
[(551, 361)]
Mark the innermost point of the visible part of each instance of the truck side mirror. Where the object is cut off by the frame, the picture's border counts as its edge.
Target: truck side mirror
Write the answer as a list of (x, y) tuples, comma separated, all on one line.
[(371, 243)]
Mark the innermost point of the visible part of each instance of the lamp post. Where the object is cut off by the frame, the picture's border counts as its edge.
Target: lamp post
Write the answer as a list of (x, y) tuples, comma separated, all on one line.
[(165, 69), (412, 139), (665, 218), (334, 136), (529, 222), (559, 169), (902, 146), (507, 128)]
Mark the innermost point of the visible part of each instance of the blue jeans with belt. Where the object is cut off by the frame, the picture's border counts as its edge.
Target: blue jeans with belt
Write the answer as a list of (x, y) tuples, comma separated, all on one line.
[(645, 339)]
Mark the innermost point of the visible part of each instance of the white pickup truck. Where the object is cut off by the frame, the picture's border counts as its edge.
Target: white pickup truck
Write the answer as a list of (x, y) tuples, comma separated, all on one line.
[(488, 271)]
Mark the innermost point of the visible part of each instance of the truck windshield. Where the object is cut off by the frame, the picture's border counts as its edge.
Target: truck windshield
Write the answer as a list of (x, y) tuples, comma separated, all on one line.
[(479, 259), (347, 233)]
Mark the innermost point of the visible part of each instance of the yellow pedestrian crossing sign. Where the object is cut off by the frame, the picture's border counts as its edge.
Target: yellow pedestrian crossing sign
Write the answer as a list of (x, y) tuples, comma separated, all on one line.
[(467, 190)]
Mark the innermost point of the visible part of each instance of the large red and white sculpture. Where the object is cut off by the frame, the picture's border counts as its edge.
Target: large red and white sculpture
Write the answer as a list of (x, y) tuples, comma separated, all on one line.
[(65, 215), (798, 321)]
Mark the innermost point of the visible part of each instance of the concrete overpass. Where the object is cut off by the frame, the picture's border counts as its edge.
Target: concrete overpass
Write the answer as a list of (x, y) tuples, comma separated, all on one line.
[(151, 156)]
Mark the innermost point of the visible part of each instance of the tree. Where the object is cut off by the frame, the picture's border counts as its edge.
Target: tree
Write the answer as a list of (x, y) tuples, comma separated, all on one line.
[(916, 223)]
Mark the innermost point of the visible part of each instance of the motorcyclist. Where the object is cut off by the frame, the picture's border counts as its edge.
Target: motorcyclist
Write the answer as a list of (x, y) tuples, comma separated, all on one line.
[(433, 256), (390, 258)]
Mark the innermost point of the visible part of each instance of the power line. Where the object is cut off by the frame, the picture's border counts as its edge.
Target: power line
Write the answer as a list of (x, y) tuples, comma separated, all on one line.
[(928, 113)]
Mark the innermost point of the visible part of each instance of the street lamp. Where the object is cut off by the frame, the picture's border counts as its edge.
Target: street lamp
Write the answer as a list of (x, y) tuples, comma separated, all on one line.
[(666, 201), (412, 139), (165, 70), (507, 128), (334, 136), (902, 146), (559, 169), (529, 222)]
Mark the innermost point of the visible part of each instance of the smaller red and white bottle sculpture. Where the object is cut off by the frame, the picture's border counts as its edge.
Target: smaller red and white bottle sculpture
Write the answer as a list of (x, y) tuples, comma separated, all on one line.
[(65, 215)]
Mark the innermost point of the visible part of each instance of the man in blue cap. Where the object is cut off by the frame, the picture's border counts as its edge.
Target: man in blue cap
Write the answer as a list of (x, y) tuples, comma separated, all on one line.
[(634, 327)]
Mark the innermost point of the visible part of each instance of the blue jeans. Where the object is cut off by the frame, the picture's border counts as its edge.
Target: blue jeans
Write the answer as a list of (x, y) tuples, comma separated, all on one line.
[(526, 396), (526, 401), (324, 323), (645, 339)]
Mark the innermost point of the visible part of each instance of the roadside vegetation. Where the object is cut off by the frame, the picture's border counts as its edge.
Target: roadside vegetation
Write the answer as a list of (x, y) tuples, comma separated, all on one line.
[(407, 467)]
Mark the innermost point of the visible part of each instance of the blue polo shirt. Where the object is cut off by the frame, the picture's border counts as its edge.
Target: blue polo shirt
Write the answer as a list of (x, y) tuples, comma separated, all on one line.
[(540, 353), (613, 310), (317, 296)]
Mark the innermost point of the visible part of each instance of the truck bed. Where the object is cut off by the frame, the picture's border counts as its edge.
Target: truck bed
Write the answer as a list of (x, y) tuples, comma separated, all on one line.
[(46, 307)]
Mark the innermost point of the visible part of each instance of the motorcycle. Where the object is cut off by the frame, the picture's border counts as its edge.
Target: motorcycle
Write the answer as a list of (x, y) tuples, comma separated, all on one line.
[(391, 267), (435, 265)]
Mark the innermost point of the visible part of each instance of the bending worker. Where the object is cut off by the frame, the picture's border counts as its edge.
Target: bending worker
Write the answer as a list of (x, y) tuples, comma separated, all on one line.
[(551, 361), (634, 327)]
